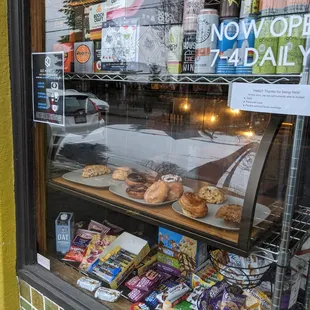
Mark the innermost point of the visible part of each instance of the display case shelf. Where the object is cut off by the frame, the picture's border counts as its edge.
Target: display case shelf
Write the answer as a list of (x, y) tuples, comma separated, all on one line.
[(211, 79), (300, 232)]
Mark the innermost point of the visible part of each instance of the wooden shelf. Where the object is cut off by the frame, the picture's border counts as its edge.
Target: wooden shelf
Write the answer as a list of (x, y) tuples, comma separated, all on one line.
[(162, 215)]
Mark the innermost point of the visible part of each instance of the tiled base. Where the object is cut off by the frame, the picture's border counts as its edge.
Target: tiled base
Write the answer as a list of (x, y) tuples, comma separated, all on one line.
[(31, 299)]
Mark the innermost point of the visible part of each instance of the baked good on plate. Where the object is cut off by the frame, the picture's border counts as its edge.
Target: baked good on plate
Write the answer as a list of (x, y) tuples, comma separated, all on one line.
[(95, 170), (151, 178), (120, 174), (157, 192), (193, 206), (171, 178), (231, 214), (135, 178), (212, 194), (175, 191), (136, 191)]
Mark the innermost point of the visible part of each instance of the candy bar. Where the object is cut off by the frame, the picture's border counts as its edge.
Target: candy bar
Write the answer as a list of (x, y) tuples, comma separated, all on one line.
[(184, 305), (131, 284), (173, 294), (107, 294), (136, 295), (149, 281), (79, 245), (114, 230), (254, 297), (98, 227), (151, 300), (194, 295), (88, 283), (139, 306)]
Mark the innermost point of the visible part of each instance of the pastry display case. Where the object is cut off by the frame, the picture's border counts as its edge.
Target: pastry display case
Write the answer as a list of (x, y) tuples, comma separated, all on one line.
[(150, 153)]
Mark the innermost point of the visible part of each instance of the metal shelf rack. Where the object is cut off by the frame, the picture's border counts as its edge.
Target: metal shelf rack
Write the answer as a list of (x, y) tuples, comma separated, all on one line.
[(211, 79)]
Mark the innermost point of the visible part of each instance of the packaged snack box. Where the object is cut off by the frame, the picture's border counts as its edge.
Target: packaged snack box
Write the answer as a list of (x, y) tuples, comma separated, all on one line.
[(178, 254)]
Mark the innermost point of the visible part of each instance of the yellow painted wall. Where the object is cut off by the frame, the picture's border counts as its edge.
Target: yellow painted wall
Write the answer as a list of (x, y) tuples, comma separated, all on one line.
[(8, 282)]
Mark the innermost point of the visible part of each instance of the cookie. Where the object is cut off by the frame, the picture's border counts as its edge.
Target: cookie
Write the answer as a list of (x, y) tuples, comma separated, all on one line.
[(120, 175), (230, 213), (95, 170), (212, 194)]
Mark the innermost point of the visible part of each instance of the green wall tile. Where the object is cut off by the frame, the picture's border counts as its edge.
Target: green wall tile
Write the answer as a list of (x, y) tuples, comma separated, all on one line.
[(49, 305), (24, 304), (24, 290), (37, 299)]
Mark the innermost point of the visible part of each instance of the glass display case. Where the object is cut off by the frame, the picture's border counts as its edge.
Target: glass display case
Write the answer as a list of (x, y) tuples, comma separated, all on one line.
[(150, 143)]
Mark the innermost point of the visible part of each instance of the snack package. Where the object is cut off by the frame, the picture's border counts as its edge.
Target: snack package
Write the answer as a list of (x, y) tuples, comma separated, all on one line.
[(107, 294), (114, 230), (139, 306), (147, 263), (79, 245), (257, 299), (94, 250), (149, 281), (184, 305), (175, 294), (136, 295), (206, 277), (194, 296), (132, 283), (88, 283), (212, 296), (232, 301), (98, 227)]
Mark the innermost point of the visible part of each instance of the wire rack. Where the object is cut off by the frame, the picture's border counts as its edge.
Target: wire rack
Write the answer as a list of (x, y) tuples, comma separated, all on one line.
[(300, 232), (184, 78)]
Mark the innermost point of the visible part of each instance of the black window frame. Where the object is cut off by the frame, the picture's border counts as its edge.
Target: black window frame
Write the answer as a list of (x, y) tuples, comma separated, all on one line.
[(27, 268)]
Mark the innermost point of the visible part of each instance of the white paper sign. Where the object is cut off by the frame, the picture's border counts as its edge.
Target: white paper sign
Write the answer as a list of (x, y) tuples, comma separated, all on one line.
[(43, 261), (97, 15), (265, 98)]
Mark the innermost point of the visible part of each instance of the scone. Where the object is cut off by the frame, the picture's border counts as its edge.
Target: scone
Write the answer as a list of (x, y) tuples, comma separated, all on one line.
[(212, 194), (95, 170), (193, 206), (120, 174), (231, 214)]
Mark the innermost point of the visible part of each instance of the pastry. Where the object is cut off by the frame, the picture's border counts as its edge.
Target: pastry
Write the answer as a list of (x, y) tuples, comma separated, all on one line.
[(95, 170), (135, 178), (157, 192), (120, 174), (136, 191), (171, 178), (212, 194), (193, 206), (231, 214), (151, 178), (175, 191)]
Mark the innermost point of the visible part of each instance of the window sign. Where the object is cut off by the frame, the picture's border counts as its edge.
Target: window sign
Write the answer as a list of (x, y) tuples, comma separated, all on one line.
[(48, 88), (278, 99)]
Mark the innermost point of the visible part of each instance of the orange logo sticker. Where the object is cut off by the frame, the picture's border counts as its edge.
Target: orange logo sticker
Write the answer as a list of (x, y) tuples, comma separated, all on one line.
[(98, 9), (82, 54)]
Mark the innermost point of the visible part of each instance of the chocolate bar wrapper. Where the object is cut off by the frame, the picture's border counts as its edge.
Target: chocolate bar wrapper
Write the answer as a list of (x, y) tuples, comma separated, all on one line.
[(132, 283), (136, 295), (98, 227), (114, 230), (151, 300), (231, 301), (107, 294), (139, 306), (79, 245), (94, 250), (173, 294), (149, 281), (88, 284)]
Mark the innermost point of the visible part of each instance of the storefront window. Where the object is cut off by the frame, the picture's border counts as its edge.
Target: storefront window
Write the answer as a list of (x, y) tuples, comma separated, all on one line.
[(145, 148)]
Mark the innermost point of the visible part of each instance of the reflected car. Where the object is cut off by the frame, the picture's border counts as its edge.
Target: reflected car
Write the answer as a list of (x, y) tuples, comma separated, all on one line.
[(82, 114)]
